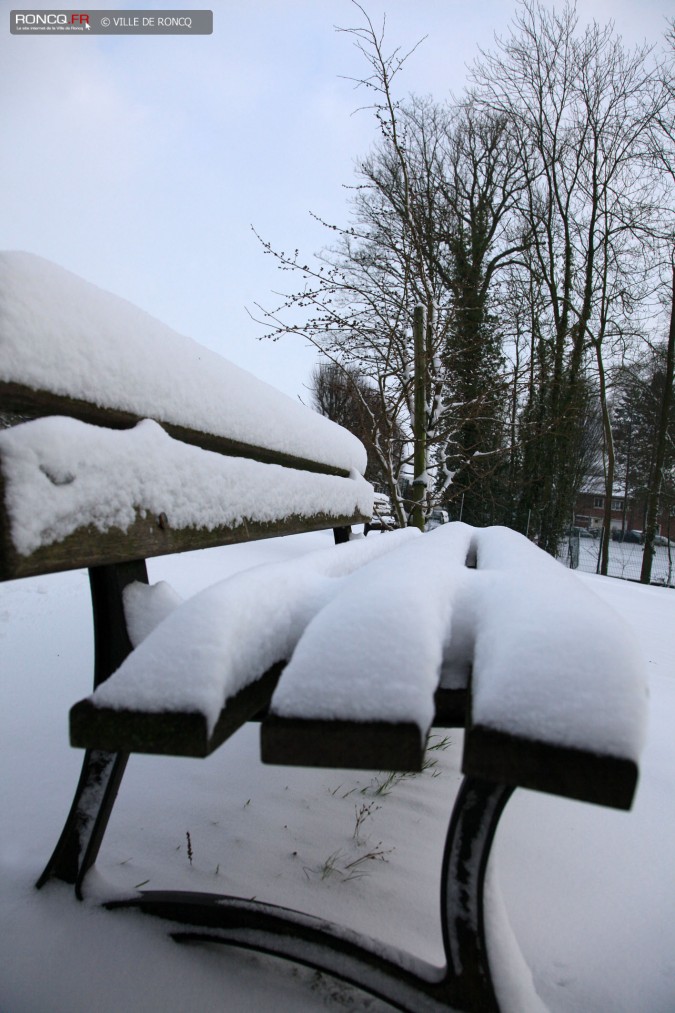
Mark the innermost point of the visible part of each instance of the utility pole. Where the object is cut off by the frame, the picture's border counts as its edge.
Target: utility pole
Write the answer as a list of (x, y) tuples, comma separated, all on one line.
[(419, 489)]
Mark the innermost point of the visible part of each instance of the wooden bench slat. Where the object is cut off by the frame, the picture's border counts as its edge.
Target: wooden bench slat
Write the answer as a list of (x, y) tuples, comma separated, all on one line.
[(168, 733), (541, 766), (244, 625), (352, 745), (146, 537), (284, 741), (359, 745), (23, 400)]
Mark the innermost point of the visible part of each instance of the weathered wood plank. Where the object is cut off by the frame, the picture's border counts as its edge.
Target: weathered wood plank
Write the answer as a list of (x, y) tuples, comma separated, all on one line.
[(15, 397), (168, 733), (367, 745), (353, 745), (559, 770), (146, 537)]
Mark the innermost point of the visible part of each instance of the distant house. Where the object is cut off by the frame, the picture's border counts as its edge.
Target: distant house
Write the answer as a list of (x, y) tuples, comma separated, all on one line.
[(628, 512), (589, 510)]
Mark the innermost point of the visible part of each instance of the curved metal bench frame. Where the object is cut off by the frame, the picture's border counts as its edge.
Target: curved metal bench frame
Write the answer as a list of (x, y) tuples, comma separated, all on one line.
[(464, 983)]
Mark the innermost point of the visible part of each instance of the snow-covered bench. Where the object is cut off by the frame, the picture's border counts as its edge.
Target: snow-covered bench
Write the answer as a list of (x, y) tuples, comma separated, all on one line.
[(474, 628), (154, 445)]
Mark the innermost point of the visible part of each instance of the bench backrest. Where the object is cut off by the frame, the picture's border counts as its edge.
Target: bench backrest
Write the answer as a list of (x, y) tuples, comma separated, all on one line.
[(226, 458)]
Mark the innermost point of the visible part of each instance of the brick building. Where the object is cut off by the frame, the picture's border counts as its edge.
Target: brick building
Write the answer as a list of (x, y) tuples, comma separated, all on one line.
[(628, 512)]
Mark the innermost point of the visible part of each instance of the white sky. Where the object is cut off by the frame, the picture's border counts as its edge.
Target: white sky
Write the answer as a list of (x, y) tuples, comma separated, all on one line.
[(141, 162)]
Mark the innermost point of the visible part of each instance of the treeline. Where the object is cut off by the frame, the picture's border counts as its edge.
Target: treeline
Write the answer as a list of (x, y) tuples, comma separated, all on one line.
[(532, 219)]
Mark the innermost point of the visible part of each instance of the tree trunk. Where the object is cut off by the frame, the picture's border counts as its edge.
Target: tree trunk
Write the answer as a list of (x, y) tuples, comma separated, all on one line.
[(609, 461), (419, 489), (654, 496)]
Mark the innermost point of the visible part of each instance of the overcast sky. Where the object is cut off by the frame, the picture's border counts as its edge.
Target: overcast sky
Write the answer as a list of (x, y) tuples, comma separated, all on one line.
[(141, 162)]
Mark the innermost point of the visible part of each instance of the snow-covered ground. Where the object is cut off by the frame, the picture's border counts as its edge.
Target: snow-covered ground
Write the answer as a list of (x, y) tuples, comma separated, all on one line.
[(625, 560), (589, 891)]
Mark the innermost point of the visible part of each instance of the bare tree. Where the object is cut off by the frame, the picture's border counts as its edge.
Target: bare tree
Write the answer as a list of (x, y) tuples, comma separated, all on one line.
[(426, 231), (524, 220), (342, 394), (663, 156), (580, 108)]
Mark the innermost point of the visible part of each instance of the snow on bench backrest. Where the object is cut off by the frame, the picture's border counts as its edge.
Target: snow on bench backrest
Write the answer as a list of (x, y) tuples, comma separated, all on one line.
[(63, 477), (61, 334)]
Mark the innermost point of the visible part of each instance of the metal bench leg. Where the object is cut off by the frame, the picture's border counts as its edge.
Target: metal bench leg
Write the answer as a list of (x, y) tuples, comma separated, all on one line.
[(475, 816), (83, 830), (102, 772)]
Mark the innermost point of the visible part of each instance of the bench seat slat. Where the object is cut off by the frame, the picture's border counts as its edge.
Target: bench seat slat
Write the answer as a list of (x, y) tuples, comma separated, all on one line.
[(356, 745), (560, 770), (488, 754), (451, 707), (350, 745), (169, 733)]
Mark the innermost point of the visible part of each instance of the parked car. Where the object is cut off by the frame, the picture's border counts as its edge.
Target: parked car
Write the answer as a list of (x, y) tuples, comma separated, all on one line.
[(633, 536), (436, 518), (383, 518)]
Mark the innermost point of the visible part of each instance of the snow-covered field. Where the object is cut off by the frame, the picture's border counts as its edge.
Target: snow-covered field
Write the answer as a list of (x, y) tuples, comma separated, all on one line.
[(625, 560), (589, 891)]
